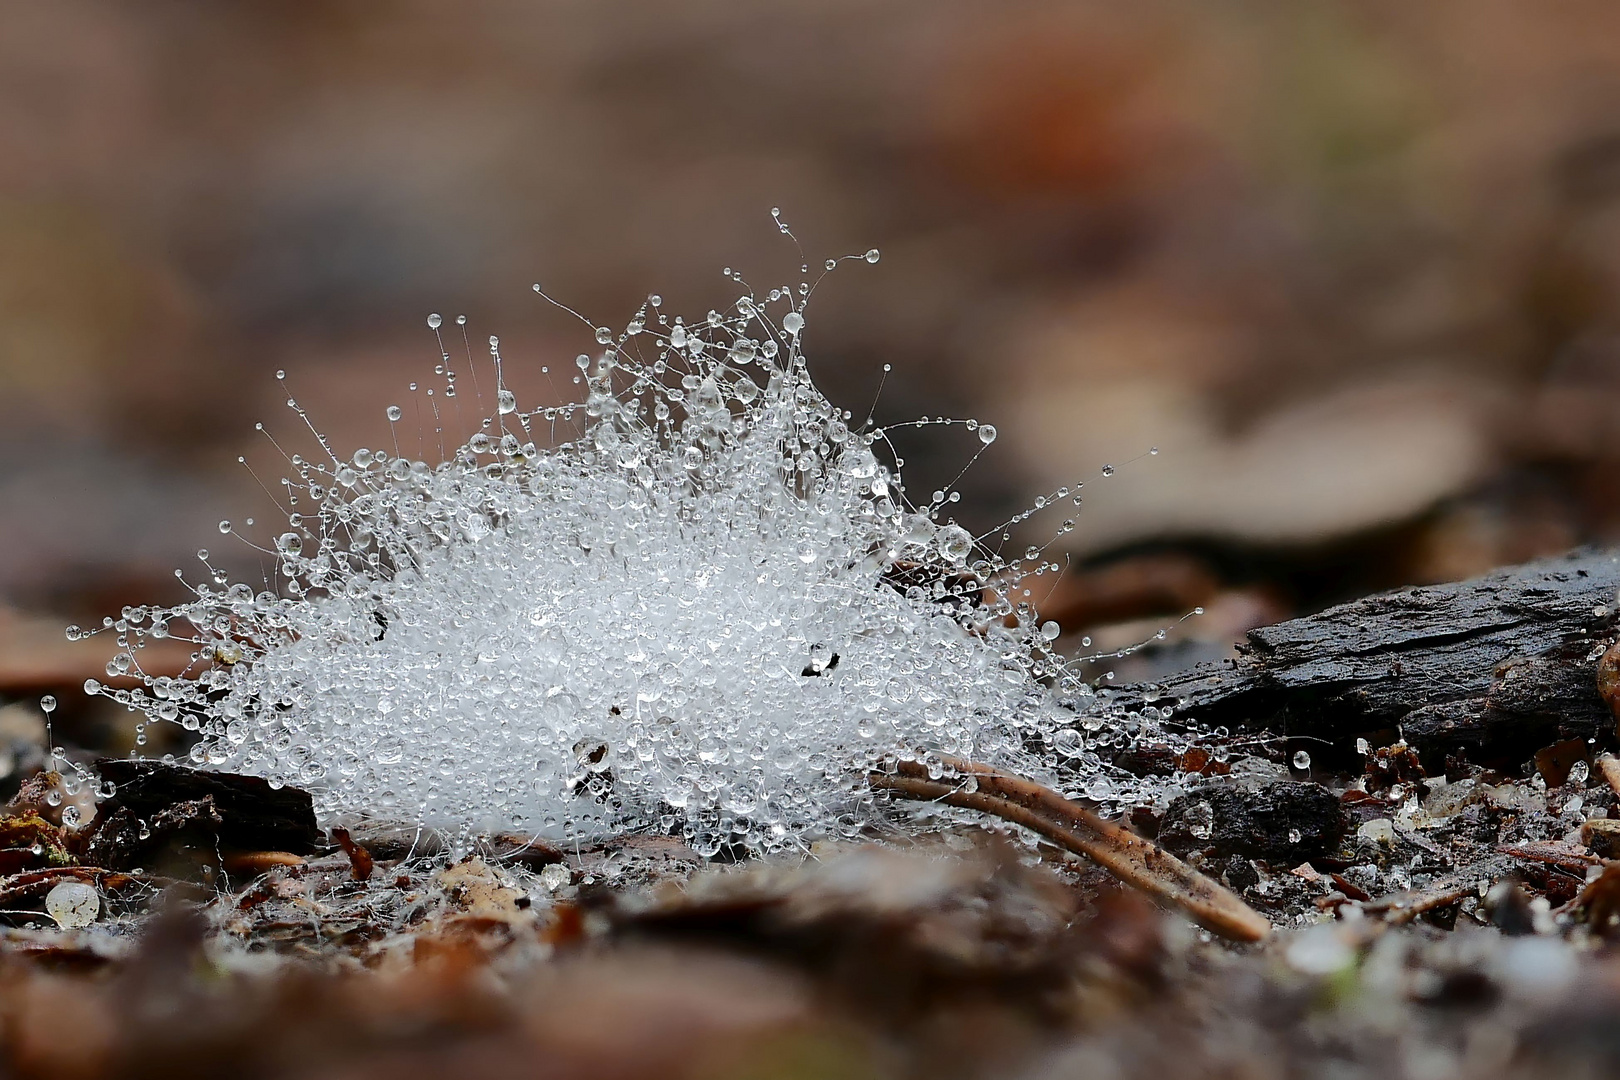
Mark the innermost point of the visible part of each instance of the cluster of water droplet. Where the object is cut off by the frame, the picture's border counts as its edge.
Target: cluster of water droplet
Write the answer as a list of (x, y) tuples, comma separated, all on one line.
[(698, 601)]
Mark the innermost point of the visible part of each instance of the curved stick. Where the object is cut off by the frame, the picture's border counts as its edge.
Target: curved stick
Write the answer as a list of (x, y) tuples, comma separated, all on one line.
[(1136, 861)]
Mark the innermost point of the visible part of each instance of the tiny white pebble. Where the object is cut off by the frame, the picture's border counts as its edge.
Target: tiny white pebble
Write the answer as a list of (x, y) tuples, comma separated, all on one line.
[(73, 904)]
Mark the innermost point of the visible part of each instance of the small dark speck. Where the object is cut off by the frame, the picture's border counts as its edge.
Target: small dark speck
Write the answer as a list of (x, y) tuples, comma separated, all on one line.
[(810, 669)]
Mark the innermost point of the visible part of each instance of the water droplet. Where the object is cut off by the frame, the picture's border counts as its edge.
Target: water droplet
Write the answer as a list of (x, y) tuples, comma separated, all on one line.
[(1200, 820), (394, 412), (1302, 760), (872, 255), (987, 433), (434, 320), (955, 543)]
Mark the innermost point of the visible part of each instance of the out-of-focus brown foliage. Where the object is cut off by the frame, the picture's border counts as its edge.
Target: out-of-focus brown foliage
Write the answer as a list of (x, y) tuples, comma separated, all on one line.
[(1344, 263), (1349, 265)]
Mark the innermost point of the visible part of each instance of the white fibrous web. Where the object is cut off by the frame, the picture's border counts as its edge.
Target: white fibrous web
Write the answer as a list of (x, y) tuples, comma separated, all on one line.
[(699, 602)]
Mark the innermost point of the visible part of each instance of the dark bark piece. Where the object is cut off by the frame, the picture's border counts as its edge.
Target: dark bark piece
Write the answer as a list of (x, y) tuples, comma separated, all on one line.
[(123, 841), (1503, 663), (114, 839), (252, 814), (1283, 823)]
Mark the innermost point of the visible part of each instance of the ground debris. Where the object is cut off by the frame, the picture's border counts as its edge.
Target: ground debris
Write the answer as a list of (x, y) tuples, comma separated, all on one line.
[(959, 957), (1437, 908)]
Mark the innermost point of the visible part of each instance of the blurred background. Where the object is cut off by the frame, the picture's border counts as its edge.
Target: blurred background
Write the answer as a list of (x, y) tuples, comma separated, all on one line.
[(1353, 266)]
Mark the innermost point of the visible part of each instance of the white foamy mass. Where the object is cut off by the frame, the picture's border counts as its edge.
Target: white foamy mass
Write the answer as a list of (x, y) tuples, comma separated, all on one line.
[(698, 602)]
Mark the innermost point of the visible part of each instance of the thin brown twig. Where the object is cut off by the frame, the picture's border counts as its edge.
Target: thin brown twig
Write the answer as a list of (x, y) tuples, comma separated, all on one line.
[(257, 862), (1403, 907), (1136, 861)]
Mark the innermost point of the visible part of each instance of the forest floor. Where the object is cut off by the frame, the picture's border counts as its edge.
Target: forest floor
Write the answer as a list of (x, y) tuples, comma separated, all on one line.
[(1442, 901)]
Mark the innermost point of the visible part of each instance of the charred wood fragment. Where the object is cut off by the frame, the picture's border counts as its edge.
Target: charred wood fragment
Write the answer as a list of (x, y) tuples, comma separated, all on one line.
[(244, 811), (1496, 666)]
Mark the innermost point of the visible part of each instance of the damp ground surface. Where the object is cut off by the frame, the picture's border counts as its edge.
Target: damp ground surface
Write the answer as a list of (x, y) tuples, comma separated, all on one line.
[(1425, 929), (1440, 906)]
